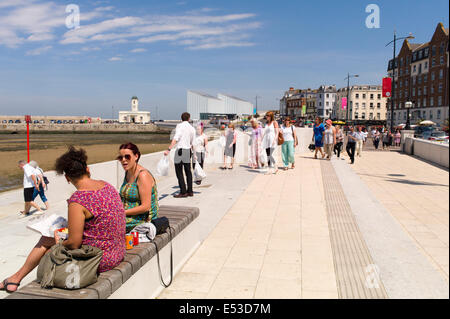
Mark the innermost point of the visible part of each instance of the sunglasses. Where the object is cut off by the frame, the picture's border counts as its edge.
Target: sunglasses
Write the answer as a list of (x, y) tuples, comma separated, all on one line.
[(120, 157)]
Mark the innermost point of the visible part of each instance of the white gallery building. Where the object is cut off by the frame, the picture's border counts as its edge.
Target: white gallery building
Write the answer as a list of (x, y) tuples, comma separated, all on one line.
[(203, 106)]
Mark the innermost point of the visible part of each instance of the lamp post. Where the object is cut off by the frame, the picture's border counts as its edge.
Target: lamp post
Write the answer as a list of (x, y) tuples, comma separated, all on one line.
[(348, 92), (393, 73), (408, 106)]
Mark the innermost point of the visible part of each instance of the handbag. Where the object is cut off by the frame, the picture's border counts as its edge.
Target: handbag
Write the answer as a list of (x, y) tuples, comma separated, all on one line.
[(69, 269), (162, 225), (46, 181), (280, 138), (312, 147)]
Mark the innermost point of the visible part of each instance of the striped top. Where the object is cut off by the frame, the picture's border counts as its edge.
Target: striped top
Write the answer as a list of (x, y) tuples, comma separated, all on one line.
[(129, 193)]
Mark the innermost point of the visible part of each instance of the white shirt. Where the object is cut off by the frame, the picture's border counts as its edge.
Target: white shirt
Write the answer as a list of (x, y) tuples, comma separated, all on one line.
[(269, 136), (28, 171), (287, 133), (184, 135), (199, 143)]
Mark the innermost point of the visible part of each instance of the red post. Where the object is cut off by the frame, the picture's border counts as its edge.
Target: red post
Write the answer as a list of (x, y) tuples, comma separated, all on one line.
[(28, 120)]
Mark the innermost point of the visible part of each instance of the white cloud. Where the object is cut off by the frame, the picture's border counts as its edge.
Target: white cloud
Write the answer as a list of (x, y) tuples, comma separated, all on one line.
[(39, 51), (115, 58), (138, 50)]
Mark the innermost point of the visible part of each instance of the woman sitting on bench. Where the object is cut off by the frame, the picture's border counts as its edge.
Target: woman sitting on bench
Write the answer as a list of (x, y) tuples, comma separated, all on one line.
[(96, 217)]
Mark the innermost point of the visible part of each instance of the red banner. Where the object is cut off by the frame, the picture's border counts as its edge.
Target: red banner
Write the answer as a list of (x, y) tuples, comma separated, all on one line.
[(344, 103), (387, 87)]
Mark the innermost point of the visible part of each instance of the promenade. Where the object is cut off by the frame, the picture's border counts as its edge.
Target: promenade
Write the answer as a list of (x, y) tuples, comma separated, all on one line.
[(326, 229)]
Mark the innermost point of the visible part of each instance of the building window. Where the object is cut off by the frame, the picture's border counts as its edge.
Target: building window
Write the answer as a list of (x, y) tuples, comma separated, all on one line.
[(424, 114), (424, 90), (395, 115), (406, 82), (378, 116), (425, 66), (425, 78), (427, 51), (364, 106), (419, 80), (440, 88), (356, 105), (432, 76), (364, 96), (439, 100), (441, 74), (442, 60), (363, 116), (414, 92), (431, 114), (432, 89), (441, 48), (357, 96), (328, 95), (419, 92), (414, 80), (414, 69), (356, 115), (371, 96), (420, 68), (439, 114), (424, 102), (378, 105), (371, 116), (379, 95), (433, 62), (431, 101), (433, 51), (418, 103), (401, 83), (371, 105), (404, 115), (414, 56)]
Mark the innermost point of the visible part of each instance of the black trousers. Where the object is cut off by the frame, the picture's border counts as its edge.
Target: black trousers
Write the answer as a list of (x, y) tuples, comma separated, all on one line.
[(270, 159), (183, 162), (338, 148), (376, 143), (351, 151)]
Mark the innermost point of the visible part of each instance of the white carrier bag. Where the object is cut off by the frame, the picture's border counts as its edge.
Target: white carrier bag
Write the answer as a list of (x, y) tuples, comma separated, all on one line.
[(162, 168), (199, 173)]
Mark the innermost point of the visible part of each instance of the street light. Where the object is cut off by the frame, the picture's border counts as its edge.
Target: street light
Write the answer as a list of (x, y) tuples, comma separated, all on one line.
[(393, 73), (348, 91), (408, 106)]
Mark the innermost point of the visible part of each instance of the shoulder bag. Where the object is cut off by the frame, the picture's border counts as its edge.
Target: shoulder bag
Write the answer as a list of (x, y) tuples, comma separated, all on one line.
[(69, 269), (163, 226)]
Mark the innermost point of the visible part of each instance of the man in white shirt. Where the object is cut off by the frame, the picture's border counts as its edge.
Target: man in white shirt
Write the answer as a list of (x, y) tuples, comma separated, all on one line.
[(184, 140), (360, 140), (29, 184)]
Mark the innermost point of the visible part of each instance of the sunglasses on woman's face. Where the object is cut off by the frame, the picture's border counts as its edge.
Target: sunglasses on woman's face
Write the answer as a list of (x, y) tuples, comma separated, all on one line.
[(127, 157)]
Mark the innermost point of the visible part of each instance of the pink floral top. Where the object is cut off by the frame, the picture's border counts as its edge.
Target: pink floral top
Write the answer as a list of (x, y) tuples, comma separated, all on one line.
[(106, 230)]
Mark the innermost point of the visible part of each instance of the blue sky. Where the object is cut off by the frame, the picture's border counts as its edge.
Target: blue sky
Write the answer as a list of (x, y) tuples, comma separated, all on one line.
[(159, 49)]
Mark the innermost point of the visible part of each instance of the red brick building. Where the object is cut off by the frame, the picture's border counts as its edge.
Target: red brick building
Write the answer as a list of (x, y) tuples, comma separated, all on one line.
[(421, 77)]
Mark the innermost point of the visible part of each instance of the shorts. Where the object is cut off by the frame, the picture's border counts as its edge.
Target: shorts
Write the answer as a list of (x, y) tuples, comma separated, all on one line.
[(28, 194)]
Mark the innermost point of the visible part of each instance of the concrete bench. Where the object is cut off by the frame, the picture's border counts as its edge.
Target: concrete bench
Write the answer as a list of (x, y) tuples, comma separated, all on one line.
[(137, 275)]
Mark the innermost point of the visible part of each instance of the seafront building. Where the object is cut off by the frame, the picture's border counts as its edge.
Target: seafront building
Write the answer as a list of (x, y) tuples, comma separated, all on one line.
[(325, 100), (203, 106), (421, 77), (365, 103), (134, 115)]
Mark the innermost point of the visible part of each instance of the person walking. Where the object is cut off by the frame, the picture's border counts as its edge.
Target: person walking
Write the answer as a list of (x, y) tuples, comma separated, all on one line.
[(376, 139), (230, 146), (39, 173), (200, 143), (184, 140), (351, 144), (360, 141), (139, 193), (386, 140), (30, 183), (397, 138), (255, 145), (270, 141), (329, 138), (318, 137), (339, 141), (289, 144)]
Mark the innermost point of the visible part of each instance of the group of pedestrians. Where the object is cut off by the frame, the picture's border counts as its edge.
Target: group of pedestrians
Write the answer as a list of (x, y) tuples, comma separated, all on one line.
[(386, 137), (329, 140)]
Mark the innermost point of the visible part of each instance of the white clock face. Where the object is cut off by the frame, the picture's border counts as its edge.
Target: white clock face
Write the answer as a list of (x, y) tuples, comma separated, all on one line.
[(388, 93)]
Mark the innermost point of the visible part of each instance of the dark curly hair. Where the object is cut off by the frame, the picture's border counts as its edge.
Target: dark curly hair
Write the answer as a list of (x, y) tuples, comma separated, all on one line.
[(73, 163)]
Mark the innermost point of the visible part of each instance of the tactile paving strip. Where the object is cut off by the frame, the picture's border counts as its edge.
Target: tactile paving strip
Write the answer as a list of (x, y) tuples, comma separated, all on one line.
[(356, 275)]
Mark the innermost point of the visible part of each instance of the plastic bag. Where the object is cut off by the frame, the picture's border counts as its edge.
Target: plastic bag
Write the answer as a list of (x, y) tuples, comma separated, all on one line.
[(222, 141), (199, 173), (263, 157), (46, 225), (162, 168)]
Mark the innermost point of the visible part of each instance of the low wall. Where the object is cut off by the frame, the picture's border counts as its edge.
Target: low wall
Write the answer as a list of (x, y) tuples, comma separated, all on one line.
[(79, 128), (431, 151)]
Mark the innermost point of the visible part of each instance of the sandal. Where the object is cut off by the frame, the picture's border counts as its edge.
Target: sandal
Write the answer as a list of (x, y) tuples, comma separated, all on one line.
[(6, 284)]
